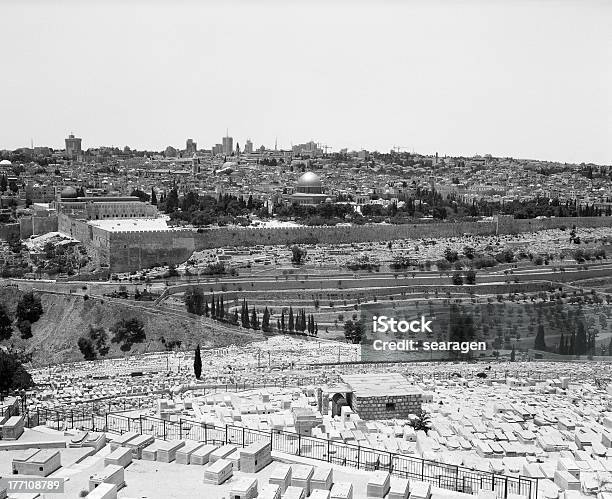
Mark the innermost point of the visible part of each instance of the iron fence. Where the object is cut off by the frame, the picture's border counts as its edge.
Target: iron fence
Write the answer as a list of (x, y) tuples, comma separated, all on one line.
[(447, 476)]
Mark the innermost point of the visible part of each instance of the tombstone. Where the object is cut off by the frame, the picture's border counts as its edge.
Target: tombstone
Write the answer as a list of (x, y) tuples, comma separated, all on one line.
[(269, 491), (322, 479), (166, 452), (123, 439), (420, 490), (379, 484), (245, 488), (400, 488), (96, 440), (218, 472), (119, 457), (222, 452), (566, 481), (183, 455), (301, 475), (294, 492), (255, 457), (103, 491), (12, 429), (110, 474), (150, 453), (39, 462), (281, 476), (342, 490), (319, 494), (138, 444), (201, 456)]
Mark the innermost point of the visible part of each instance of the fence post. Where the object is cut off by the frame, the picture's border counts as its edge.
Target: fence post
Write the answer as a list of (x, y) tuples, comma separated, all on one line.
[(328, 451), (106, 422), (506, 488), (140, 421), (299, 451), (358, 455), (128, 423), (205, 434), (243, 442), (390, 462), (181, 428), (164, 429), (422, 469), (226, 434), (71, 419), (58, 420), (93, 422), (457, 479)]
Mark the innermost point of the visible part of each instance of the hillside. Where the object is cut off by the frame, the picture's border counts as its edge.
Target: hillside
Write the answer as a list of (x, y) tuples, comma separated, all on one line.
[(66, 317)]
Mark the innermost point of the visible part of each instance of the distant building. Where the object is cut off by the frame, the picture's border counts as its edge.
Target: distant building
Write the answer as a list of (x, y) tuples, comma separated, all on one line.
[(191, 147), (170, 152), (73, 147), (100, 208), (217, 149), (228, 145), (248, 147)]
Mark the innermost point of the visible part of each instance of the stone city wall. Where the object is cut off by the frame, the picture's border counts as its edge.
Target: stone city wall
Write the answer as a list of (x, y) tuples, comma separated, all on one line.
[(30, 226)]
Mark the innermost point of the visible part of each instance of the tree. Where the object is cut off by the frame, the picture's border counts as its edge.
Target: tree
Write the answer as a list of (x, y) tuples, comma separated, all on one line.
[(354, 331), (470, 277), (153, 196), (421, 421), (254, 320), (540, 342), (86, 347), (291, 321), (197, 363), (265, 321), (581, 339), (298, 255), (610, 347), (172, 201), (6, 324), (13, 376), (194, 301), (3, 183), (457, 279), (25, 328), (126, 332), (513, 354), (99, 337), (29, 307)]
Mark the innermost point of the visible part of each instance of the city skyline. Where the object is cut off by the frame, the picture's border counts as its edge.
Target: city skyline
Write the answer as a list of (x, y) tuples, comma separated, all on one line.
[(513, 81)]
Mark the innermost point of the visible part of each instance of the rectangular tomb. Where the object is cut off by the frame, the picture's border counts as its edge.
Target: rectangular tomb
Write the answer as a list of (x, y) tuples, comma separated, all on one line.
[(222, 452), (39, 462), (123, 439), (202, 455), (322, 479), (218, 472), (121, 456), (379, 484), (301, 474), (166, 452), (281, 476), (255, 457), (138, 444), (12, 429), (245, 488), (400, 488), (103, 491), (342, 490), (150, 453), (110, 474), (269, 491), (293, 492), (183, 455), (319, 494)]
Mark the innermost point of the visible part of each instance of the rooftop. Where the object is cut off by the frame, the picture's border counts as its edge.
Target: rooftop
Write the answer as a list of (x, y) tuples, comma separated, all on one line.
[(376, 385), (131, 224)]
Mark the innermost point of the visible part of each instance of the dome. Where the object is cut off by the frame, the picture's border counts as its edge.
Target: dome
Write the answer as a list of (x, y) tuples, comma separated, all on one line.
[(69, 192), (309, 179), (5, 162)]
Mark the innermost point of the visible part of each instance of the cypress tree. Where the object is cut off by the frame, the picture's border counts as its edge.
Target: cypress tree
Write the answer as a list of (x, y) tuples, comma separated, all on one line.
[(254, 320), (540, 342), (197, 363), (291, 321), (265, 322), (282, 325), (213, 312), (222, 309)]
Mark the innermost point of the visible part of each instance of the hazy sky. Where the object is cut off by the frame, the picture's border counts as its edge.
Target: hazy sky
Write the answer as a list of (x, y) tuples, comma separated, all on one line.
[(528, 79)]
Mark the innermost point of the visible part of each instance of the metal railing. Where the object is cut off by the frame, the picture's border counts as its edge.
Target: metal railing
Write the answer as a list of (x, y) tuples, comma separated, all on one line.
[(447, 476)]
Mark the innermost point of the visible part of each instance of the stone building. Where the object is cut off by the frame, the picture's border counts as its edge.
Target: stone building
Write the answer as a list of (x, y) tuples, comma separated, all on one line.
[(309, 191), (382, 396)]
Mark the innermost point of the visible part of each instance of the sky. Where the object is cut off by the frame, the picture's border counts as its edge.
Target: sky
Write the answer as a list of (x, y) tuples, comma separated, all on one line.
[(525, 79)]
